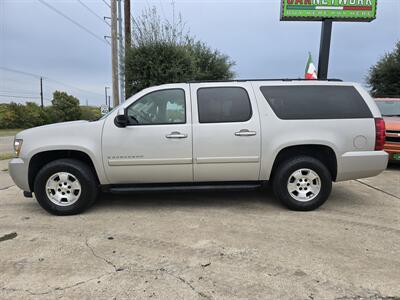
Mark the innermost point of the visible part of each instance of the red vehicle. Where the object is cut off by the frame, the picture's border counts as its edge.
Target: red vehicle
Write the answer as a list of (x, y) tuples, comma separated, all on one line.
[(390, 109)]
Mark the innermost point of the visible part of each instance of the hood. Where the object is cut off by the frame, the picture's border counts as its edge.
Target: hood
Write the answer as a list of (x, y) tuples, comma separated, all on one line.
[(51, 128), (392, 123)]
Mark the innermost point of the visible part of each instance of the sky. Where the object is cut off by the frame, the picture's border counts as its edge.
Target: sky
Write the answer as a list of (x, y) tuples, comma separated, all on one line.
[(37, 42)]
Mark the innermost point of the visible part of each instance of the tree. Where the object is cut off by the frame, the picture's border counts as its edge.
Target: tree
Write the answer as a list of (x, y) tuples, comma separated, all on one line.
[(35, 115), (65, 108), (384, 76), (165, 53)]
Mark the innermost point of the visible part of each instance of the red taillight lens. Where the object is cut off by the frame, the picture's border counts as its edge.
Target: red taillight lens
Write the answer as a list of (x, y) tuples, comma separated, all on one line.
[(380, 134)]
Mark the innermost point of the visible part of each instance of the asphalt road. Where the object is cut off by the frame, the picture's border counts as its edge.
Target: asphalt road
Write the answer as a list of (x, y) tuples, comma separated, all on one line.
[(6, 144), (214, 245)]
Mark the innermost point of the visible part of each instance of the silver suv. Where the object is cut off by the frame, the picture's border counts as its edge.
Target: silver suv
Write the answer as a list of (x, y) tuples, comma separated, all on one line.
[(298, 135)]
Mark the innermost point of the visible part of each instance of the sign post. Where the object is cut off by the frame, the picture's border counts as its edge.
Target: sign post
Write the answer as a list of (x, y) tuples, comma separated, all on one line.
[(328, 11), (324, 48)]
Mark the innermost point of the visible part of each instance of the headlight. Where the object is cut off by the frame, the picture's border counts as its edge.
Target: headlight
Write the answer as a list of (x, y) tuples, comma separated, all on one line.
[(17, 146)]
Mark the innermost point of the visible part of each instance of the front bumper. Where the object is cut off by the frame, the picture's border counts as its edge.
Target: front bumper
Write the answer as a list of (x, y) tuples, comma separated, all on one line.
[(362, 164), (18, 170)]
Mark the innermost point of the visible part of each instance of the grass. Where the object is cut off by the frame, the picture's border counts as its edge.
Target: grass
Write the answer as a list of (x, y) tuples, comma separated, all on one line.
[(9, 132), (6, 155)]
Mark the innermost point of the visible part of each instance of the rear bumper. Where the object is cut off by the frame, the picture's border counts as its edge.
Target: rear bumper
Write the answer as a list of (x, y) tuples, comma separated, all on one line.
[(354, 165), (18, 170)]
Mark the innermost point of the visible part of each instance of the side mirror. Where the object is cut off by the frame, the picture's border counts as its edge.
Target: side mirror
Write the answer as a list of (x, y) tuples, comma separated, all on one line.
[(121, 120)]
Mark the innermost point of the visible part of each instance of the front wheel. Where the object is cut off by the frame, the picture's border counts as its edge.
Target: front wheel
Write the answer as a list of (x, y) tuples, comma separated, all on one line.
[(302, 183), (65, 187)]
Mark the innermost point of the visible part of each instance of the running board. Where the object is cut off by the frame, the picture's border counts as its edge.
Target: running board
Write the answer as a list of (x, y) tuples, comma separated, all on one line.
[(182, 187)]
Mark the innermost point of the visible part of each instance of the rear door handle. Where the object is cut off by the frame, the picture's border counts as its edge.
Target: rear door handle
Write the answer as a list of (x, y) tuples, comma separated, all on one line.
[(245, 132), (176, 135)]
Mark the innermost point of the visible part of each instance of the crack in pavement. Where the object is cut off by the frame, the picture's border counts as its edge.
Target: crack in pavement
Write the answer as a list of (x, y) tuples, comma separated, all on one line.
[(377, 189), (7, 187), (183, 280), (32, 293), (101, 257)]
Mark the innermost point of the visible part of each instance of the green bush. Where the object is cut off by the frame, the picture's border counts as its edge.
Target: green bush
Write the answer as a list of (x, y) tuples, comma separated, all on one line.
[(90, 113), (15, 115), (64, 108)]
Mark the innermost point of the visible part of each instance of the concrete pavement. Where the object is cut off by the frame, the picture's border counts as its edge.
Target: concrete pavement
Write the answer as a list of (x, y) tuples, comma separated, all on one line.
[(209, 245)]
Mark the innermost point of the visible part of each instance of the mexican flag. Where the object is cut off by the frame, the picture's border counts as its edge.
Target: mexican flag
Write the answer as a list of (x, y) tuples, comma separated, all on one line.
[(311, 71)]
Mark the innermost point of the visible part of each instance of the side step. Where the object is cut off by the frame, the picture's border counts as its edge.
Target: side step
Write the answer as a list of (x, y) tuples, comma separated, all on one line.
[(182, 187)]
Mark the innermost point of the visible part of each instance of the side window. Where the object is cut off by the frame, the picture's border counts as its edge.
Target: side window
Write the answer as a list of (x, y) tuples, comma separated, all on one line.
[(223, 104), (299, 102), (159, 107)]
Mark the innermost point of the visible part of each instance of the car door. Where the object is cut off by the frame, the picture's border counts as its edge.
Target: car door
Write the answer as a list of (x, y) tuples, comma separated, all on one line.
[(226, 131), (156, 146)]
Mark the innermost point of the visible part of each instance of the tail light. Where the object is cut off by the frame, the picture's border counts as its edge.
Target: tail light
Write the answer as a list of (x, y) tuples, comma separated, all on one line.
[(380, 134)]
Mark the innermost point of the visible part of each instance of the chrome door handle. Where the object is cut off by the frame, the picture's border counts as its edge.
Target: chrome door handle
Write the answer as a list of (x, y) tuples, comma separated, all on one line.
[(176, 135), (245, 132)]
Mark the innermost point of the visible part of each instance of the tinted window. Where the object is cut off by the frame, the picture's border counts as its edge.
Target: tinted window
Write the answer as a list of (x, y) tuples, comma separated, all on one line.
[(316, 102), (159, 107), (223, 104)]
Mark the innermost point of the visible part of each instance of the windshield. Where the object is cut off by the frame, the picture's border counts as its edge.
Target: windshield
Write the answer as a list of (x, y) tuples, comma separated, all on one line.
[(389, 108)]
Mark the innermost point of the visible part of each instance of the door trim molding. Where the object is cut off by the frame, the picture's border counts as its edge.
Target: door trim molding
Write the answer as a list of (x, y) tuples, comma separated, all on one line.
[(149, 162), (226, 159)]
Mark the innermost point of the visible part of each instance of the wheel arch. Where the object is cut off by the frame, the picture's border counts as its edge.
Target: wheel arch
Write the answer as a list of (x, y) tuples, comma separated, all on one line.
[(323, 153), (39, 159)]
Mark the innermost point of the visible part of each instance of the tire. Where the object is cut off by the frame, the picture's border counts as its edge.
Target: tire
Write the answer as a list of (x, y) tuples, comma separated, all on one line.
[(296, 186), (66, 187)]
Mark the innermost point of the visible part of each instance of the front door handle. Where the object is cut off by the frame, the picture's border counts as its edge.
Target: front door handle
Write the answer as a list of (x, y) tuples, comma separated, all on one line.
[(176, 135), (245, 132)]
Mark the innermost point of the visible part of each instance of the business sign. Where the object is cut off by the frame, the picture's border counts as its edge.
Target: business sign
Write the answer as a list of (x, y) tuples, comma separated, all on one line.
[(337, 10)]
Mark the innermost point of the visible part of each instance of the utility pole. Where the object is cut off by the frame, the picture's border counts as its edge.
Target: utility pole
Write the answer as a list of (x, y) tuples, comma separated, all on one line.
[(41, 92), (128, 33), (109, 102), (121, 56), (114, 53), (105, 91), (127, 20)]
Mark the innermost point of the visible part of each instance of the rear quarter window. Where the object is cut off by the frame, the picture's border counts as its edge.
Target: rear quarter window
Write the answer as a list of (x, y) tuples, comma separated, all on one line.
[(298, 102)]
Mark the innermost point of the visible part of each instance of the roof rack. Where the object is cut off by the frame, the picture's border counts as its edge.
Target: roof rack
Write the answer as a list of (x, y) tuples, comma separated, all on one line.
[(277, 79)]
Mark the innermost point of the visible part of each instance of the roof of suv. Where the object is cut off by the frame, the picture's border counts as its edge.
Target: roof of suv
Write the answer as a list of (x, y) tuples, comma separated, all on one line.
[(270, 79)]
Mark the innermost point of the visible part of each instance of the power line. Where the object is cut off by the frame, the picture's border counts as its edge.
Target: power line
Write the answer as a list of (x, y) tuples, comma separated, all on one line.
[(92, 12), (19, 96), (25, 92), (20, 72), (49, 79), (72, 21), (106, 3)]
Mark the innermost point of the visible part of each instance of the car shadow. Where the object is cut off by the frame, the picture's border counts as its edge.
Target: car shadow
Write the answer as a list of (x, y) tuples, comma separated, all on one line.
[(394, 166), (262, 198), (190, 198)]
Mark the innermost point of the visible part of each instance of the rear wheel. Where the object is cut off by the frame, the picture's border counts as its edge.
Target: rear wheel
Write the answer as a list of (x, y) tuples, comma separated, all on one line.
[(302, 183), (65, 187)]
